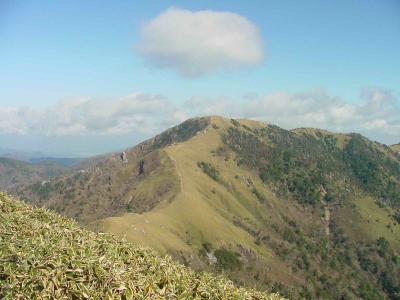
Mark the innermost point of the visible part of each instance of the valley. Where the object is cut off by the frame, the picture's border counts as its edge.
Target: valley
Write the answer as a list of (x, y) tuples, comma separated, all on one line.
[(16, 172)]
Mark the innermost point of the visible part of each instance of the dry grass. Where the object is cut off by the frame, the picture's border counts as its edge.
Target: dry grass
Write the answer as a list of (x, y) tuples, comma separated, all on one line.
[(46, 256), (196, 211), (396, 147)]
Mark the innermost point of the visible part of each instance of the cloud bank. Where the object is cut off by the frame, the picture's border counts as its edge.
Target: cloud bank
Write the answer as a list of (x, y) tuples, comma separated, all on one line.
[(137, 112), (376, 114), (199, 43)]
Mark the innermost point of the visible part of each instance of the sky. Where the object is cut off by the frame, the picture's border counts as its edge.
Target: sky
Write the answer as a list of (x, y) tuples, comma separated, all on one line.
[(80, 78)]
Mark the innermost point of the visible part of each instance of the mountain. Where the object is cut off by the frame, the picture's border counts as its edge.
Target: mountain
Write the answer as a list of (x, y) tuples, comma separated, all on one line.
[(36, 157), (306, 212), (63, 161), (18, 154), (15, 172), (46, 256)]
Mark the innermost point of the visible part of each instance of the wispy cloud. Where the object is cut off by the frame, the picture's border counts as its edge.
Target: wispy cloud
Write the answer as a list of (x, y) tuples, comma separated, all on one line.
[(201, 42)]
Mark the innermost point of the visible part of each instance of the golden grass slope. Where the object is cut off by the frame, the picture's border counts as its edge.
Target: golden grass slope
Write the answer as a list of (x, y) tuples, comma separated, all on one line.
[(207, 211), (396, 147), (46, 256), (223, 213), (203, 210)]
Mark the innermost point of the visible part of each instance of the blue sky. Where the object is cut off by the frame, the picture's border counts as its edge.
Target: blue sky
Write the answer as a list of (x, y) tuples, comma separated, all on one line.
[(53, 51)]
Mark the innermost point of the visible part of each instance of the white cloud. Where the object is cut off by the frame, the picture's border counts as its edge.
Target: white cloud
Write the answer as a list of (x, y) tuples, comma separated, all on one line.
[(82, 116), (202, 42), (11, 121), (376, 115)]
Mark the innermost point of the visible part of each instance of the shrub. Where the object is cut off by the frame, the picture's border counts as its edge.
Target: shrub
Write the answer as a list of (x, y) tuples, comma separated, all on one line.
[(228, 260), (235, 123), (209, 170), (259, 195)]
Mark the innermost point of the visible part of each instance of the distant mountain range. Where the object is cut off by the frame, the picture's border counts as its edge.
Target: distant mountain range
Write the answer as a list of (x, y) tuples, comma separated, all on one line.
[(36, 157), (307, 212), (19, 173)]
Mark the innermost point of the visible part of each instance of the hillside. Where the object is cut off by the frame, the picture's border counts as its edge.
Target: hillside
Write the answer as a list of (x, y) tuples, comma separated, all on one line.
[(44, 256), (306, 212), (15, 172), (396, 148), (132, 181)]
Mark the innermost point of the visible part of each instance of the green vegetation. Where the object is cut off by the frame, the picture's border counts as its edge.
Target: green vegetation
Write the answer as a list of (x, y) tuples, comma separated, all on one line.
[(310, 167), (235, 122), (41, 189), (376, 172), (373, 267), (260, 196), (45, 256), (209, 170), (303, 163), (228, 260), (181, 132), (378, 259), (297, 164)]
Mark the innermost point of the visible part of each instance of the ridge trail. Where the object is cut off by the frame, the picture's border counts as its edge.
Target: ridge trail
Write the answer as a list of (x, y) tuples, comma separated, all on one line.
[(177, 171)]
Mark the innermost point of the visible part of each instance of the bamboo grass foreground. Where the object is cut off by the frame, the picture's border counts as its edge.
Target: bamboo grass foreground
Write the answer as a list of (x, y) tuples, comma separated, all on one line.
[(46, 256)]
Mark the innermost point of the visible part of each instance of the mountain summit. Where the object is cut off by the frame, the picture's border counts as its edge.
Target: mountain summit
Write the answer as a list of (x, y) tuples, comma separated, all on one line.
[(307, 212)]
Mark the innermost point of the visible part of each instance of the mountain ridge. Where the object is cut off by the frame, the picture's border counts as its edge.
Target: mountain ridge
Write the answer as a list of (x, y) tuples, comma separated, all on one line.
[(267, 206)]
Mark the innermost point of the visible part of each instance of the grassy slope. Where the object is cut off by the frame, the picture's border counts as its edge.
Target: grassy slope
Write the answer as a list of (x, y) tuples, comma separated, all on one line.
[(135, 180), (396, 147), (205, 209), (196, 211), (43, 255), (372, 221)]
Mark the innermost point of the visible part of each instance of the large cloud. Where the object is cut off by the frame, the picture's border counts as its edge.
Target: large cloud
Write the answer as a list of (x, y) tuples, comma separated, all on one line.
[(198, 43)]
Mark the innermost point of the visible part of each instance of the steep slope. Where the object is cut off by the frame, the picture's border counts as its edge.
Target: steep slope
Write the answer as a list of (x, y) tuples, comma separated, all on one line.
[(135, 180), (15, 172), (45, 256), (307, 212)]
